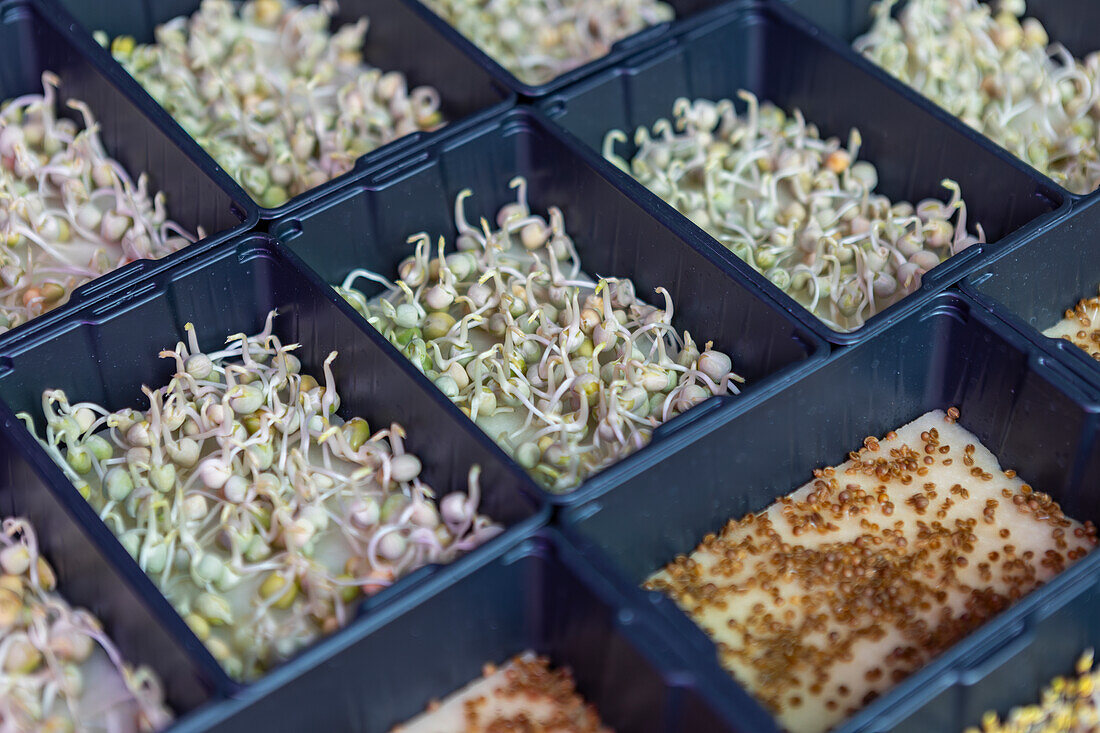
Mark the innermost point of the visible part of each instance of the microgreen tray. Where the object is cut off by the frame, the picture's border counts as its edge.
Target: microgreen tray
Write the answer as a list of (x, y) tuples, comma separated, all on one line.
[(1033, 285), (367, 225), (688, 14), (91, 567), (539, 596), (1074, 24), (108, 349), (397, 39), (33, 40), (1069, 22), (969, 337), (773, 53), (1033, 414), (1041, 643)]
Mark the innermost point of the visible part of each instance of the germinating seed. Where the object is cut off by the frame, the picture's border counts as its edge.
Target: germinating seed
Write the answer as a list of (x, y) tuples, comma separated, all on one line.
[(538, 40), (568, 374), (259, 513), (1068, 705), (68, 212), (835, 593), (279, 101), (523, 695), (799, 209), (1080, 326), (1000, 73), (59, 671)]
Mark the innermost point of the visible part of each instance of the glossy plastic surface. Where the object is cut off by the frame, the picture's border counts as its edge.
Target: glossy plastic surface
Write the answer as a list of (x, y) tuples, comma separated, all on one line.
[(1033, 285), (1043, 641)]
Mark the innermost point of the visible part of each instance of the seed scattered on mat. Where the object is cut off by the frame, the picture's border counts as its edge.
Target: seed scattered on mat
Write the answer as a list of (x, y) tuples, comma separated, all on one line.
[(1080, 326), (523, 695), (838, 591)]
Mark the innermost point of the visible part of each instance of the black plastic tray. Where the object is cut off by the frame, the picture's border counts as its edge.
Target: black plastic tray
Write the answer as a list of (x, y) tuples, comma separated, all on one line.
[(541, 596), (1073, 23), (106, 351), (367, 225), (34, 39), (777, 55), (398, 39), (688, 14), (1031, 287), (1034, 415)]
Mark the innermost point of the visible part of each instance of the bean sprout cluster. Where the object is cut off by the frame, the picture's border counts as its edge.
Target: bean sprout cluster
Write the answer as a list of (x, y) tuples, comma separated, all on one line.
[(538, 40), (999, 73), (801, 210), (282, 104), (59, 671), (568, 374), (69, 213), (259, 513)]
